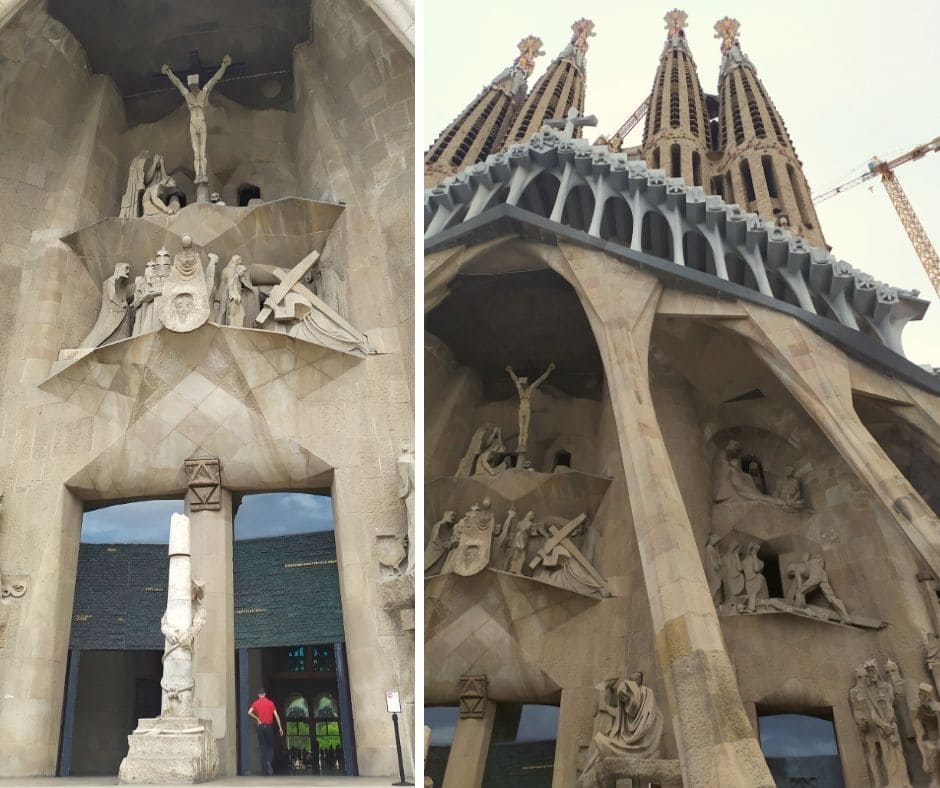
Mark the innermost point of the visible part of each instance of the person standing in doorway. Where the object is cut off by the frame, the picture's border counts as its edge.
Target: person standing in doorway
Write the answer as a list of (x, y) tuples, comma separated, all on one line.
[(264, 712)]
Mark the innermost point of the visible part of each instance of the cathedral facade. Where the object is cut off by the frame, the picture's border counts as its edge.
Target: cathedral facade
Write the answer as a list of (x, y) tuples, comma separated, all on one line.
[(681, 481), (206, 248)]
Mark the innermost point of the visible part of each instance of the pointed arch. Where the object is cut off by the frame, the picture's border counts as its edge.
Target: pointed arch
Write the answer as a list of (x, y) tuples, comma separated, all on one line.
[(656, 236)]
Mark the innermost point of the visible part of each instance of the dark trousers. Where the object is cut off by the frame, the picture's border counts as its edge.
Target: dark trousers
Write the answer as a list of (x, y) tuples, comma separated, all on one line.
[(266, 745)]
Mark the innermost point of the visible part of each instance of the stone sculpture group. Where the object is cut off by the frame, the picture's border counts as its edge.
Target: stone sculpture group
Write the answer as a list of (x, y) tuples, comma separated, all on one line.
[(542, 549)]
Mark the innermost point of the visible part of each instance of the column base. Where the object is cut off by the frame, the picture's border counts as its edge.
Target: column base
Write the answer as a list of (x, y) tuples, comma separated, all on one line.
[(180, 750), (202, 191)]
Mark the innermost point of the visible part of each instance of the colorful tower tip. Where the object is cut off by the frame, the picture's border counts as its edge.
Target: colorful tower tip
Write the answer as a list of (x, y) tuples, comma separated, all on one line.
[(582, 30), (530, 48), (726, 29), (675, 22)]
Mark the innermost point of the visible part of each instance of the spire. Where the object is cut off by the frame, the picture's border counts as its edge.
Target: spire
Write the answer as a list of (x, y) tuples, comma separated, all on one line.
[(482, 127), (760, 169), (559, 89), (676, 135)]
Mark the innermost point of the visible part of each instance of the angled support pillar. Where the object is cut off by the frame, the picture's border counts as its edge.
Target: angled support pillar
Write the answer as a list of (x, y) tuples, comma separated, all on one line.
[(467, 760), (717, 745)]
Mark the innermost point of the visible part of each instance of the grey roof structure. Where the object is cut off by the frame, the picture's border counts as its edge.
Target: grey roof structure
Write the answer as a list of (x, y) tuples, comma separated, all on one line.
[(610, 197)]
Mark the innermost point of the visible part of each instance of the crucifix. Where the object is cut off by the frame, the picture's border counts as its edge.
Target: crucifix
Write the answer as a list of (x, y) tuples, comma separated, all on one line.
[(197, 99), (561, 538), (573, 120)]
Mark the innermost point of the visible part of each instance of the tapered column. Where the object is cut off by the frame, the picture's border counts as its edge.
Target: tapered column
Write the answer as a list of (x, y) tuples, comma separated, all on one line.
[(467, 760), (716, 742), (210, 514), (817, 375)]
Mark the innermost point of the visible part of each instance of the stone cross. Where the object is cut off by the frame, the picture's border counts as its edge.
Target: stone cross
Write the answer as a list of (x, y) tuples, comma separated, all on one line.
[(560, 537), (572, 121)]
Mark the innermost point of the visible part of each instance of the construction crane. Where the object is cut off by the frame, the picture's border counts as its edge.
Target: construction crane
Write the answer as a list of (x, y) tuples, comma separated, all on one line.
[(915, 230), (628, 125)]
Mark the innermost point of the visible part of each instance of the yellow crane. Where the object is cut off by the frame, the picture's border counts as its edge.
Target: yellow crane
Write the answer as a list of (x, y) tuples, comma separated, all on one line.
[(616, 139), (913, 227)]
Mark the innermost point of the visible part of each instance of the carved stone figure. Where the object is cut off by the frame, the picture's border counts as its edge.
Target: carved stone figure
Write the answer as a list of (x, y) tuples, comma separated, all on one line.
[(152, 201), (197, 100), (735, 482), (713, 572), (872, 702), (788, 489), (755, 584), (487, 440), (181, 622), (926, 724), (112, 322), (732, 577), (559, 561), (808, 575), (472, 541), (526, 528), (237, 301), (525, 391), (406, 491), (145, 169), (185, 304), (392, 551), (627, 722), (439, 544), (503, 530)]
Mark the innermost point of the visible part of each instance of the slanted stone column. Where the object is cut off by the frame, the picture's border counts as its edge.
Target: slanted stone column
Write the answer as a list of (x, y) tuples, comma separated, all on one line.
[(467, 760), (716, 742), (209, 508)]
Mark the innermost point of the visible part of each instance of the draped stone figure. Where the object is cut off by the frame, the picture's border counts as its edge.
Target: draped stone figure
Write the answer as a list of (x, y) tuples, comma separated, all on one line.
[(526, 529), (755, 584), (438, 544), (152, 202), (185, 304), (732, 576), (627, 723), (712, 565), (926, 724), (472, 541), (112, 323), (145, 169), (872, 701), (236, 301), (406, 491)]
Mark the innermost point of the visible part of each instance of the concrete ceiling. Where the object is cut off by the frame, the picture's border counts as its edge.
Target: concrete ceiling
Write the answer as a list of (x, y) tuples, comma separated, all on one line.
[(130, 41)]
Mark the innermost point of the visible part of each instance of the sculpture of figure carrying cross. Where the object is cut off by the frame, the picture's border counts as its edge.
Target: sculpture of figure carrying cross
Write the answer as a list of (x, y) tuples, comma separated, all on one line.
[(572, 121)]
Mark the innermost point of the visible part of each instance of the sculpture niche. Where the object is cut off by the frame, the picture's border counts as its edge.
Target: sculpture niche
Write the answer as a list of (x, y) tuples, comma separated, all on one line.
[(738, 584), (543, 550), (190, 755), (739, 480), (628, 727)]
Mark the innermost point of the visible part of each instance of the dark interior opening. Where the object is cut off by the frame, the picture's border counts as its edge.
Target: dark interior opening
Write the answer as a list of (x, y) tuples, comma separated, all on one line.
[(246, 192)]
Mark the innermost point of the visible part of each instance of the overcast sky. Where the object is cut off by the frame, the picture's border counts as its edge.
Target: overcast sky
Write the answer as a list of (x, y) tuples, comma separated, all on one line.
[(267, 514), (852, 81)]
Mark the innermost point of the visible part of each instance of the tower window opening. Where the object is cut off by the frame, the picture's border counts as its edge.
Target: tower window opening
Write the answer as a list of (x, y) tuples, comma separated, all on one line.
[(748, 180), (729, 189), (655, 158), (717, 185), (690, 90), (696, 169), (800, 198), (246, 193), (675, 160), (674, 94), (768, 165)]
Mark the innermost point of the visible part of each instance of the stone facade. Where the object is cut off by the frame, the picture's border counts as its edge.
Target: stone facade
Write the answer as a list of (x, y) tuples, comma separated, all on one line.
[(754, 483), (277, 411)]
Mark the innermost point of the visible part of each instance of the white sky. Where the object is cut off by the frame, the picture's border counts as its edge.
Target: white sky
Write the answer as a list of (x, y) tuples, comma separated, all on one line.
[(851, 80)]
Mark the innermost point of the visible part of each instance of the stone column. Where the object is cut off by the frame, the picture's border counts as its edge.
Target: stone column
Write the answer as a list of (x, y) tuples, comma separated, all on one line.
[(210, 514), (467, 760), (716, 743)]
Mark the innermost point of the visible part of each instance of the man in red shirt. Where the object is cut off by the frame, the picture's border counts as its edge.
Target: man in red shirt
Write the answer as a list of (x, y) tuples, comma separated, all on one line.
[(264, 712)]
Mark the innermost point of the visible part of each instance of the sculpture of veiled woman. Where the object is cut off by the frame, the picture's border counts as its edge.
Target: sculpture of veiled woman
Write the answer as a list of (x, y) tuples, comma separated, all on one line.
[(755, 584), (145, 169), (112, 323), (626, 721)]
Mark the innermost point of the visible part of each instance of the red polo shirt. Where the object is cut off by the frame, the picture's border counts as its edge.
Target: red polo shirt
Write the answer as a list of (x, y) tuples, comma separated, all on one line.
[(265, 711)]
